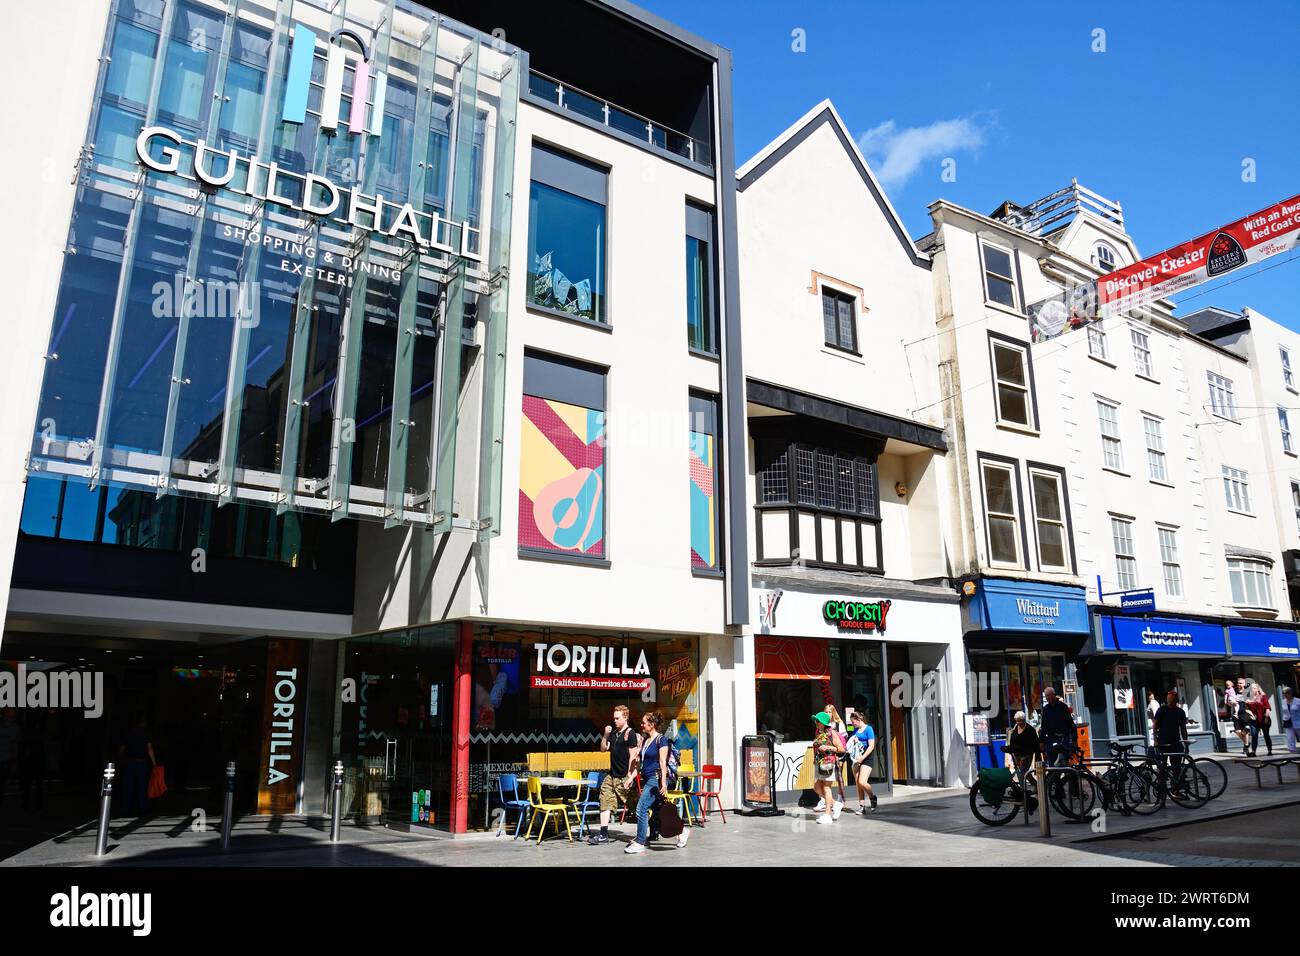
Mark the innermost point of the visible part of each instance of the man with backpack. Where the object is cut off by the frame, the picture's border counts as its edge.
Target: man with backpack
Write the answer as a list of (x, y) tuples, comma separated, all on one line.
[(622, 744)]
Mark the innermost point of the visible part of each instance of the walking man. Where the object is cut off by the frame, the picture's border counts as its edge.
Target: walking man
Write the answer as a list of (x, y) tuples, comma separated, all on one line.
[(622, 744), (1171, 729)]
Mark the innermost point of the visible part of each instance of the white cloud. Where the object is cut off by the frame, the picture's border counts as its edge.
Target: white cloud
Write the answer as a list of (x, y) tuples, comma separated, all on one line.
[(895, 154)]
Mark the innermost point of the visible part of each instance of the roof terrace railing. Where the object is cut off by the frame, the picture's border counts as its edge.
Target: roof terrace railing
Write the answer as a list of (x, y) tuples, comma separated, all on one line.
[(1054, 212), (631, 124)]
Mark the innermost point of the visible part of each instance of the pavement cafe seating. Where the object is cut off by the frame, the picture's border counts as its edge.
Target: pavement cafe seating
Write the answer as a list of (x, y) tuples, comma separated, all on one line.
[(1277, 763), (545, 810)]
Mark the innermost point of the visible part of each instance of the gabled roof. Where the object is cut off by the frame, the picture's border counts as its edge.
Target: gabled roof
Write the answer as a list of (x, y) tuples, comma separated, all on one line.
[(824, 113)]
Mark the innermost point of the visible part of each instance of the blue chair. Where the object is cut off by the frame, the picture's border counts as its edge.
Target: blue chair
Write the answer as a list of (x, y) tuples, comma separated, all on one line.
[(583, 804), (508, 790)]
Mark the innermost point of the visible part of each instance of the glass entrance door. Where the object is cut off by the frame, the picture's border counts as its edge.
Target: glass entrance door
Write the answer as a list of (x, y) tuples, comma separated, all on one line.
[(396, 737)]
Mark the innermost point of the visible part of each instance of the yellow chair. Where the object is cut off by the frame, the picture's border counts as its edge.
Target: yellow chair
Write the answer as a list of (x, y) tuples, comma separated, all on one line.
[(546, 810), (682, 795)]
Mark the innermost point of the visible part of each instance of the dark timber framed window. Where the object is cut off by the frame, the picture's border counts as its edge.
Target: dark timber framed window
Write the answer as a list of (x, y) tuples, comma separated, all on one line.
[(1013, 382), (567, 235), (1003, 511), (701, 297), (840, 320), (1050, 502), (818, 501), (999, 275)]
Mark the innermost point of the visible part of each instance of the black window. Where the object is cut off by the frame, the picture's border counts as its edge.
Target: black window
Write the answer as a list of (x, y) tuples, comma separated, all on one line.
[(827, 479), (566, 235), (839, 320), (701, 309), (999, 276)]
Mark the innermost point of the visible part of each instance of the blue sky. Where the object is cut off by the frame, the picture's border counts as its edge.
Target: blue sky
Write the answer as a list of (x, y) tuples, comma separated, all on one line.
[(1161, 121)]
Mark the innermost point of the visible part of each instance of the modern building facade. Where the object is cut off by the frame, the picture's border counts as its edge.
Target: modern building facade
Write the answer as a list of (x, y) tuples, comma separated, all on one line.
[(848, 484), (373, 398), (1094, 460)]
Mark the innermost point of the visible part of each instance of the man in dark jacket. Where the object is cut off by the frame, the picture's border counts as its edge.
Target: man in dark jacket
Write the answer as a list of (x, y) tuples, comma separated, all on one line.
[(1057, 729)]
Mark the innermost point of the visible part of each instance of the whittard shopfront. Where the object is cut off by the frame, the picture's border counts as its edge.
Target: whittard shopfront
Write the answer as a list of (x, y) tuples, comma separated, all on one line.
[(889, 655)]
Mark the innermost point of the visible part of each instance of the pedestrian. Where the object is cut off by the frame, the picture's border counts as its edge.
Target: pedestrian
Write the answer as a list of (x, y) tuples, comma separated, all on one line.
[(8, 746), (1235, 701), (1022, 742), (622, 744), (653, 761), (138, 760), (837, 725), (1152, 706), (1171, 728), (1056, 728), (862, 744), (1291, 718), (828, 749), (1261, 712)]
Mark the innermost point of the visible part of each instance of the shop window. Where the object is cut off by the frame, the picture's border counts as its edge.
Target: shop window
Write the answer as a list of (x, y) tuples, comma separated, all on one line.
[(701, 301), (1001, 510), (1222, 401), (1049, 520), (999, 275), (1152, 427), (1012, 382), (1126, 573), (1251, 582), (1112, 448), (567, 235), (562, 458), (704, 487), (839, 320), (1172, 570), (1236, 489)]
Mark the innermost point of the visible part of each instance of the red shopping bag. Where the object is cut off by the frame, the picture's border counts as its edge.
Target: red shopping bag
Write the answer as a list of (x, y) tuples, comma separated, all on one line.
[(157, 783)]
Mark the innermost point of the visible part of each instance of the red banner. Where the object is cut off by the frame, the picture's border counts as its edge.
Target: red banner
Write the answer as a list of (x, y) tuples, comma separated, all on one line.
[(1251, 239)]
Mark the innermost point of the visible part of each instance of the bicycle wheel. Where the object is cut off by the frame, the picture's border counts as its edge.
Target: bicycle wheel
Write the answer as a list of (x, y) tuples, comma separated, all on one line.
[(1142, 791), (1188, 786), (995, 815), (1108, 783), (1214, 773), (1072, 794)]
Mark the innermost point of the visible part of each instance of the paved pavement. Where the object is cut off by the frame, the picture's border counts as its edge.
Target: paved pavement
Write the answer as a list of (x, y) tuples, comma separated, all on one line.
[(923, 827)]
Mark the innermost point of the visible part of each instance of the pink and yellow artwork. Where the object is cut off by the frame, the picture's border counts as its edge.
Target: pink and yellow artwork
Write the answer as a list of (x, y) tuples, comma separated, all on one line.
[(562, 478)]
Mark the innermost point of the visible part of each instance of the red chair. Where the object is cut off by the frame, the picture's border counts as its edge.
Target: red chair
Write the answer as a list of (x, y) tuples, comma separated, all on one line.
[(711, 772)]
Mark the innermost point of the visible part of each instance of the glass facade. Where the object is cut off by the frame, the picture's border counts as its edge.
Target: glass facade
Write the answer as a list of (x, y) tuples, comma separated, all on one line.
[(279, 212)]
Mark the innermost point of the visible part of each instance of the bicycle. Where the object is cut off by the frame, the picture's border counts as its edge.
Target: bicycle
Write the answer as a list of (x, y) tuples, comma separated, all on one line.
[(1179, 779), (1130, 787), (1005, 801)]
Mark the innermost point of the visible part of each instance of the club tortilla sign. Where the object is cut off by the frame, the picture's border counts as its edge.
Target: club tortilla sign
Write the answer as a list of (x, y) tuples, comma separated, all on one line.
[(559, 666), (856, 615)]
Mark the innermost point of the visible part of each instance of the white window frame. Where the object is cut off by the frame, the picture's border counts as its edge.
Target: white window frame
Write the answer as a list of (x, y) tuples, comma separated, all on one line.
[(1295, 501), (1013, 516), (1100, 261), (1157, 468), (1097, 346), (999, 384), (1011, 279), (1236, 490), (1288, 379), (1126, 566), (1112, 442), (1171, 568), (1142, 363), (1222, 401), (1059, 480), (1284, 423), (1245, 573)]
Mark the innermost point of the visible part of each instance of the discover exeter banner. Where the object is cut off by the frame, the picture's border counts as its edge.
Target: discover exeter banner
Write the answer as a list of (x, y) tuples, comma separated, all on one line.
[(1251, 239)]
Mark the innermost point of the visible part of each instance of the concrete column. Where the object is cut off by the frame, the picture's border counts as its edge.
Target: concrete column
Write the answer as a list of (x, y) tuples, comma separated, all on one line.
[(318, 746)]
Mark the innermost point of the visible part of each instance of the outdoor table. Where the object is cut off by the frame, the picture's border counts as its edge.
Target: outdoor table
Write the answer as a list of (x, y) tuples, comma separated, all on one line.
[(563, 781)]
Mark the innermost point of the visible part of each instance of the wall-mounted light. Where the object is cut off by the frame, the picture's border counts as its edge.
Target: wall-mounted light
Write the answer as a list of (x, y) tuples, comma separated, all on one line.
[(900, 489)]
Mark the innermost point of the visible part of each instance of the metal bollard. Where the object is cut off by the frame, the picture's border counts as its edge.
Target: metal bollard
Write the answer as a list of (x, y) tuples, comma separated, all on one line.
[(105, 810), (1044, 822), (336, 806), (228, 807)]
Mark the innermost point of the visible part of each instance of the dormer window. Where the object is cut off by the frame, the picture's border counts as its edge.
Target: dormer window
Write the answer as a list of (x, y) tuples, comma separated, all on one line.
[(1104, 257)]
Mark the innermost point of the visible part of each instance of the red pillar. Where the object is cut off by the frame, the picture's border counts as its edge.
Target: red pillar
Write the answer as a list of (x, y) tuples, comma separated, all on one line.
[(461, 721)]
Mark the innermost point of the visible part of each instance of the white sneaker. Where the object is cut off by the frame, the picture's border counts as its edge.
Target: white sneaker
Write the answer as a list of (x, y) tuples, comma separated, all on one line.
[(825, 818), (635, 847), (681, 840), (836, 809), (821, 805)]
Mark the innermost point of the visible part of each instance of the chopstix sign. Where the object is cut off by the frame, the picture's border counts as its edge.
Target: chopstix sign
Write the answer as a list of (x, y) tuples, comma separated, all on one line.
[(857, 615)]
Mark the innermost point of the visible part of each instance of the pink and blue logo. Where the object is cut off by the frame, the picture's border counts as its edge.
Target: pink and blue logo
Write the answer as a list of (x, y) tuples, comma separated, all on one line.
[(298, 83)]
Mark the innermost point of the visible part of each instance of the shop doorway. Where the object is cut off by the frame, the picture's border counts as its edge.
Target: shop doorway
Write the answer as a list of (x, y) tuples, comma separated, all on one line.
[(395, 738)]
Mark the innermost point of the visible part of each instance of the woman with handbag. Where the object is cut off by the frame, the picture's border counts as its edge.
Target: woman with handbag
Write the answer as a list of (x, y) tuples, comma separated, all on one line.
[(1263, 720), (653, 760), (828, 750)]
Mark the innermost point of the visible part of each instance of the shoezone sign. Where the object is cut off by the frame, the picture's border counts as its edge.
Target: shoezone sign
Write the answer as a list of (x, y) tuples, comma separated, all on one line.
[(1256, 237), (856, 615)]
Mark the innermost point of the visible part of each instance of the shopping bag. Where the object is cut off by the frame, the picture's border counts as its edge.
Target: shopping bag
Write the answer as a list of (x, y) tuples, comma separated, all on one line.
[(157, 783), (669, 821)]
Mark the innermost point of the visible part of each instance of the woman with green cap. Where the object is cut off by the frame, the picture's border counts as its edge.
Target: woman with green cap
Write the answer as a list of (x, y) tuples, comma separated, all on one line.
[(828, 747)]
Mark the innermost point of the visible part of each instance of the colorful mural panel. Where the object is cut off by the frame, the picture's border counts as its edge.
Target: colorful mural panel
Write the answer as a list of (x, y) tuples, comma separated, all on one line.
[(562, 478), (704, 520)]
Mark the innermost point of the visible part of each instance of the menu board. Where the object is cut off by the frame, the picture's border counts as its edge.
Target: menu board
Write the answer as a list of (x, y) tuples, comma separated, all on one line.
[(977, 729), (757, 755)]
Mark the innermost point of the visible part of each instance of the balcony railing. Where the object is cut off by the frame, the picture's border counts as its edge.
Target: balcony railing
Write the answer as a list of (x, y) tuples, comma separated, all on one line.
[(615, 117)]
